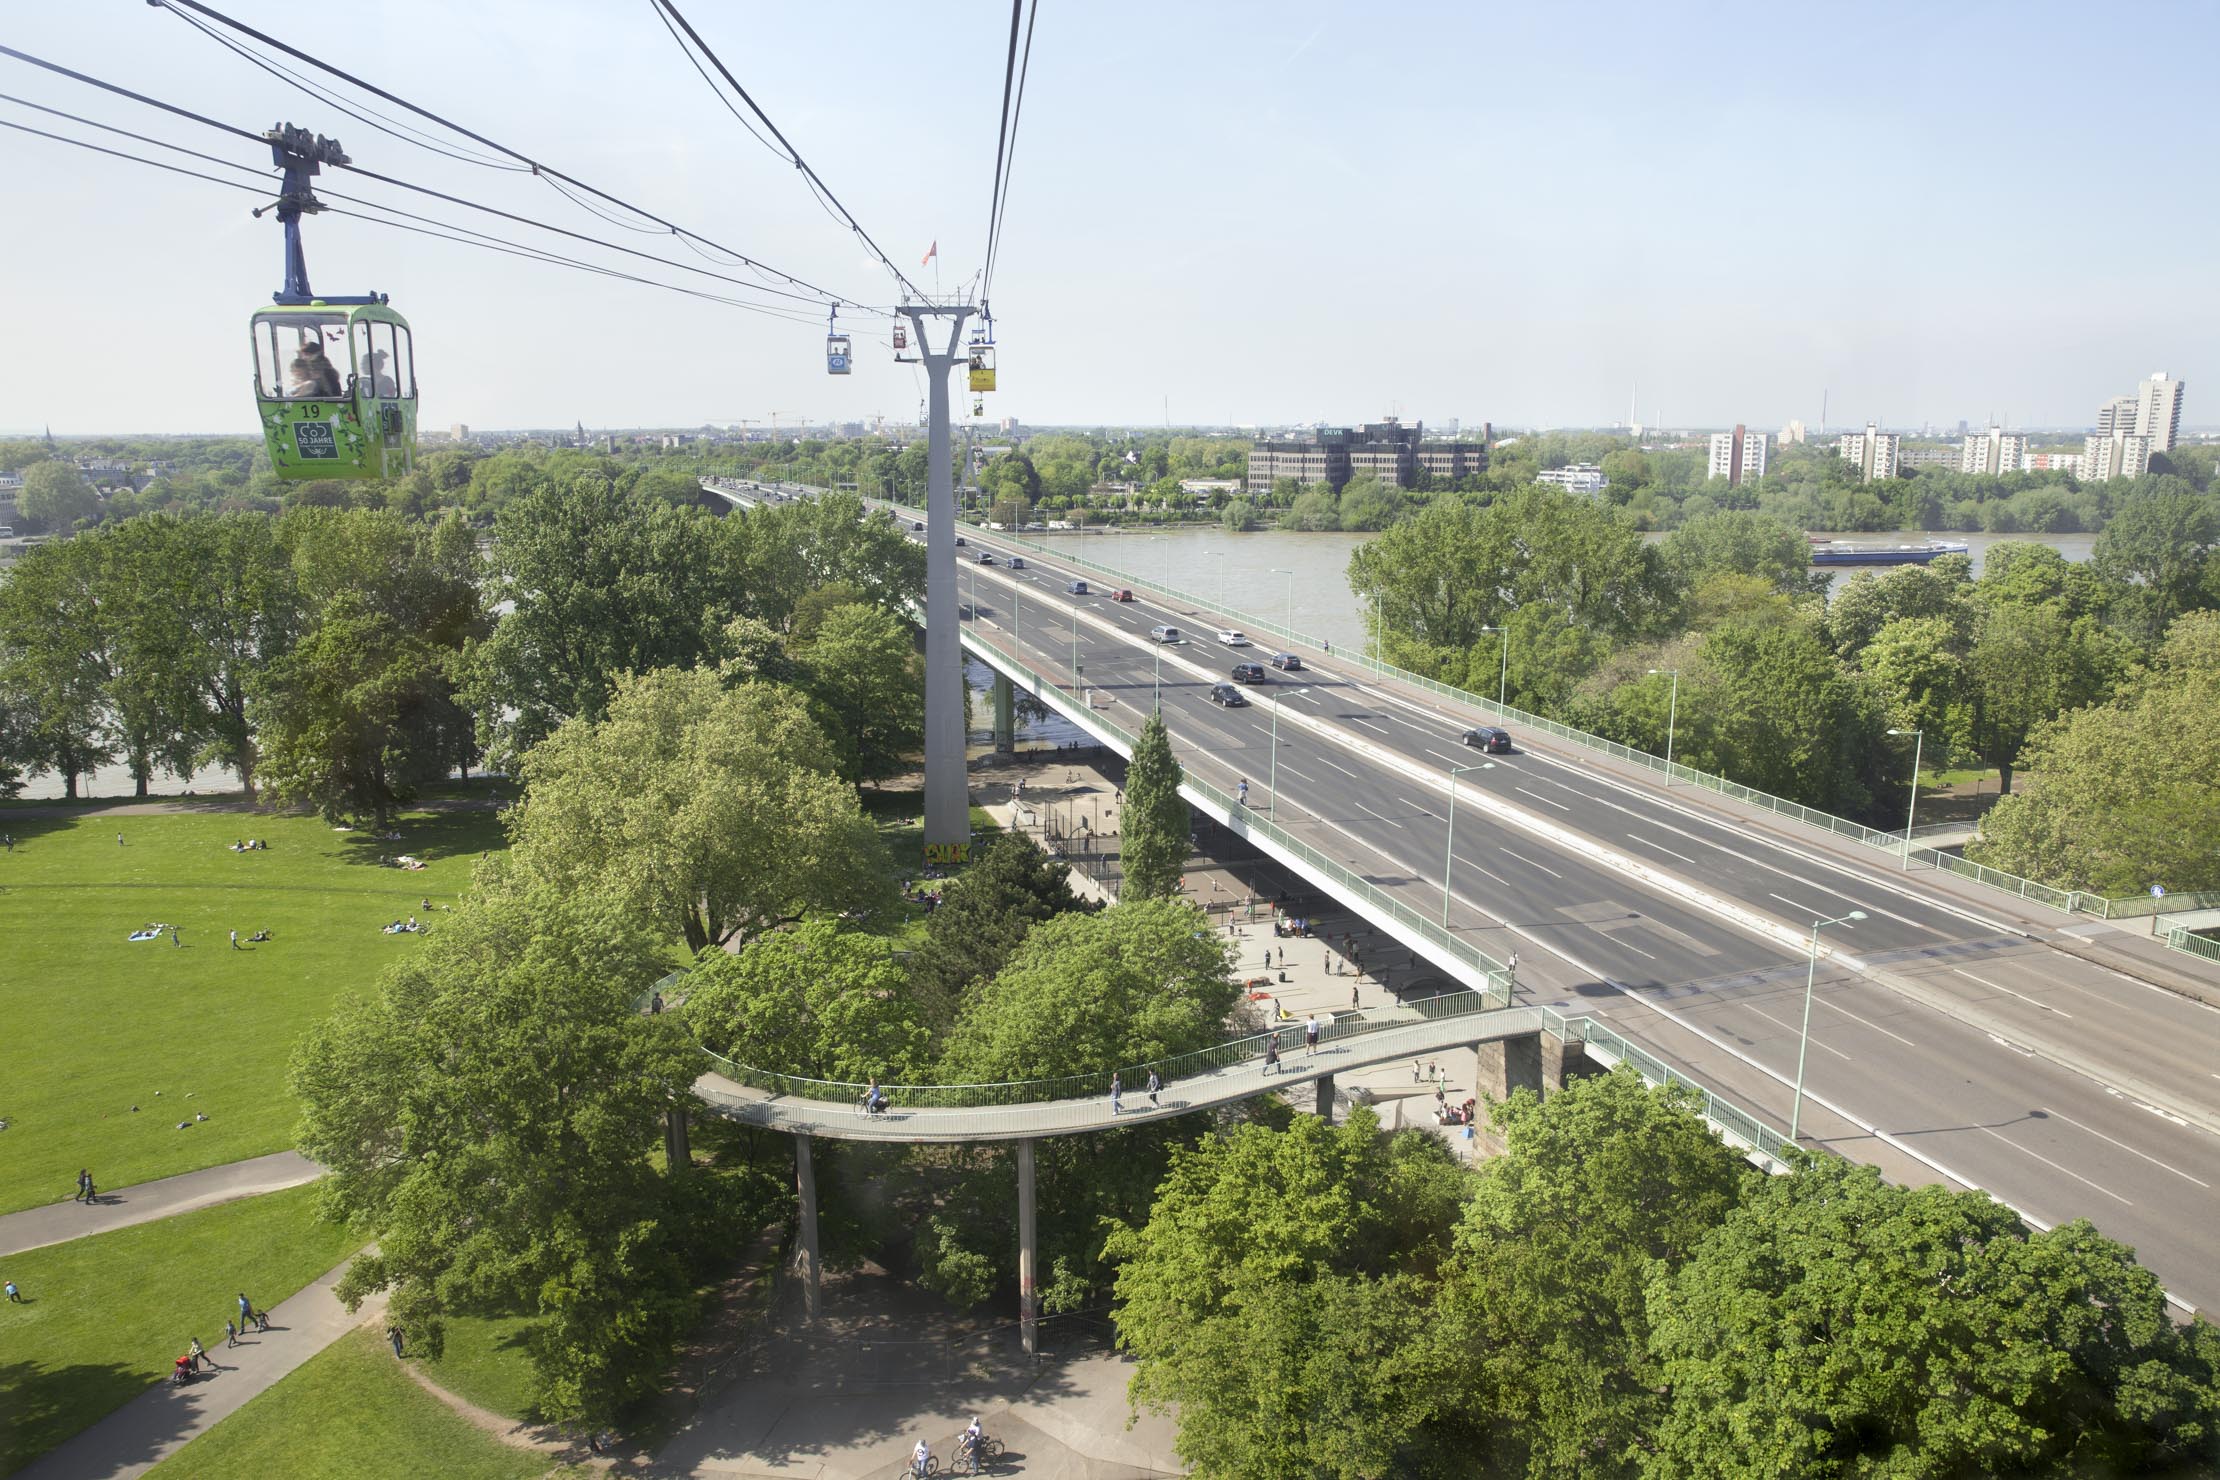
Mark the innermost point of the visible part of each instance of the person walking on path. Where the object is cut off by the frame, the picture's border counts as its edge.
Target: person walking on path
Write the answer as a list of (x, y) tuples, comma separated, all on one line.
[(1352, 999), (246, 1311), (197, 1353), (1272, 1054), (231, 1334), (393, 1334), (1310, 1034), (84, 1185), (235, 940), (1117, 1088), (1155, 1084)]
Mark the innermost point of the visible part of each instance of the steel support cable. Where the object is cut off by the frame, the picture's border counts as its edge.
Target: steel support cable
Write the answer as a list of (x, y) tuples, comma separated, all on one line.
[(263, 141), (488, 243), (1002, 133), (1000, 215), (229, 164), (793, 154), (220, 18)]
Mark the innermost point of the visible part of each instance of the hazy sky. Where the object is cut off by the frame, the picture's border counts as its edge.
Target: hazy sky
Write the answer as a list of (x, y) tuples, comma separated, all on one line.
[(1250, 212)]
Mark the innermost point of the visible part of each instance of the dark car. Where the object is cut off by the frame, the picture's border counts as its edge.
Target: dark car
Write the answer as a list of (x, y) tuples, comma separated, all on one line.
[(1077, 588), (917, 526), (986, 557), (1229, 696), (1017, 562), (1248, 673), (959, 542), (1489, 738), (1287, 662)]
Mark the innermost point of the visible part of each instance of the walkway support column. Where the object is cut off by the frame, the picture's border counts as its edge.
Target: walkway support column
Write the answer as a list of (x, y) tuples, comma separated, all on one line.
[(805, 1184), (1507, 1065), (947, 789), (1005, 714), (1324, 1104), (1028, 1255)]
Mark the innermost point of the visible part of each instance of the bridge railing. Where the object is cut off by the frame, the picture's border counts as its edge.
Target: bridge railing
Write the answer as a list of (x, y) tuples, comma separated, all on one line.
[(2064, 900), (2201, 946), (1736, 1123), (1248, 1048), (1426, 927), (2138, 906)]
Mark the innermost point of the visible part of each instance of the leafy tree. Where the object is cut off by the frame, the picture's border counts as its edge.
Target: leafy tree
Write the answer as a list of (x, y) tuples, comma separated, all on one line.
[(817, 1000), (1918, 666), (2026, 665), (147, 591), (1368, 503), (1837, 1325), (2124, 790), (1770, 707), (1739, 542), (2154, 550), (1597, 1188), (243, 612), (489, 1115), (1548, 658), (713, 814), (985, 912), (1314, 508), (1278, 1294), (1153, 836), (1870, 600), (53, 658), (868, 680), (56, 497)]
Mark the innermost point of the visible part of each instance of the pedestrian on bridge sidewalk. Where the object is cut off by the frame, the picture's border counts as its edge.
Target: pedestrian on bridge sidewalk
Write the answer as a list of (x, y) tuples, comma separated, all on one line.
[(1155, 1084), (1310, 1034), (1117, 1088)]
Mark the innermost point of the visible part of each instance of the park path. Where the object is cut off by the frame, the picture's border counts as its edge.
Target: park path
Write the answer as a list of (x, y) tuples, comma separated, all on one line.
[(35, 1228), (162, 1420)]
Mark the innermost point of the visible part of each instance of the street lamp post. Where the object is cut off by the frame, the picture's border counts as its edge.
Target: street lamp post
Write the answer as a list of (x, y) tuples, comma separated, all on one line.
[(1911, 810), (1803, 1041), (1272, 808), (1449, 854), (1074, 619), (1672, 715), (1157, 539), (1503, 668), (1279, 571)]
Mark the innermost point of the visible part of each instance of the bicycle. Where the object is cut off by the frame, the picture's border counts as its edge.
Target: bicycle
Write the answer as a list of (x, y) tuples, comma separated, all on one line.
[(910, 1471), (968, 1462)]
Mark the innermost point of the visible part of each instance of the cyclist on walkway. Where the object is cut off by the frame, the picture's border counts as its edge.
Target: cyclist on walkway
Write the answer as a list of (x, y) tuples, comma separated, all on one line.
[(921, 1458)]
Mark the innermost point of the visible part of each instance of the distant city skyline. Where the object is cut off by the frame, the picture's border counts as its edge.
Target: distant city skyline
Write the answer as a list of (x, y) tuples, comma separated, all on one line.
[(1193, 232)]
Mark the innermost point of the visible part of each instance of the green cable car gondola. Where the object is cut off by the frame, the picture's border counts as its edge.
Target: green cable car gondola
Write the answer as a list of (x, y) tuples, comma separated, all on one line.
[(335, 378)]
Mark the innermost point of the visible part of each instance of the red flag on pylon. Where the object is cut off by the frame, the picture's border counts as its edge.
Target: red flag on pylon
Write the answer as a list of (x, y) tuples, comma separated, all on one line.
[(930, 253)]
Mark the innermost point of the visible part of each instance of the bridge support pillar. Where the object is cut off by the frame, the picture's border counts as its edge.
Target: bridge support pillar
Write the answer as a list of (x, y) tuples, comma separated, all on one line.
[(805, 1185), (1323, 1104), (1028, 1294), (1005, 715), (1507, 1065)]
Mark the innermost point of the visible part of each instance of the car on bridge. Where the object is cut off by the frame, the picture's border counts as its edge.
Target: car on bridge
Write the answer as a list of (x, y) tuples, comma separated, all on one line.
[(1077, 588), (986, 557), (1163, 632), (917, 526), (1121, 594), (959, 542), (1489, 738), (1227, 696), (1248, 673), (1017, 562), (1286, 662), (1232, 637)]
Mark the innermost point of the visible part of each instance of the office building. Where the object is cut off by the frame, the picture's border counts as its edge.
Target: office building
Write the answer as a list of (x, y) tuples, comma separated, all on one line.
[(1575, 478), (2158, 411), (1994, 452), (2120, 455), (1874, 451), (1397, 454), (1737, 455)]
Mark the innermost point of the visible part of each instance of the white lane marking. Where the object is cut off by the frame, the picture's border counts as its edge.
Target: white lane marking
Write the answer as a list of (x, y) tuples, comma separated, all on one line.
[(1391, 822), (2054, 1166), (1854, 1017), (1290, 770), (1306, 698), (1545, 801), (1791, 1028), (1530, 863), (2007, 991), (2124, 1146), (1660, 847), (1344, 770), (1447, 760), (1622, 945), (1415, 807), (1375, 729)]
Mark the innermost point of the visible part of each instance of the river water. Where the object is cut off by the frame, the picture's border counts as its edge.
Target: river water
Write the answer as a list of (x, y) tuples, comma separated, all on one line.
[(1266, 573)]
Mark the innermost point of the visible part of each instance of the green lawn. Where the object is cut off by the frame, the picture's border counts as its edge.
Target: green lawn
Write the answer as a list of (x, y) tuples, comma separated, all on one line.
[(103, 1317), (349, 1413), (97, 1024), (485, 1362)]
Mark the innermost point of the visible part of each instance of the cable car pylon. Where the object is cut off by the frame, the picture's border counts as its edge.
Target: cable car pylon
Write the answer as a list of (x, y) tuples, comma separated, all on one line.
[(947, 785)]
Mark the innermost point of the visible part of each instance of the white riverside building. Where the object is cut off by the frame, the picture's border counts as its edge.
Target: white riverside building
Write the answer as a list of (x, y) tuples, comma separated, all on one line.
[(2120, 455), (1738, 455), (1575, 478), (1994, 452), (1874, 451)]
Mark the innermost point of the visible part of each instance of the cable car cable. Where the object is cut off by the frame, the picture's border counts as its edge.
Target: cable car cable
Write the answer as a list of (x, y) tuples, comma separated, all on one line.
[(999, 212), (267, 40), (141, 138), (262, 140), (1002, 130), (794, 154)]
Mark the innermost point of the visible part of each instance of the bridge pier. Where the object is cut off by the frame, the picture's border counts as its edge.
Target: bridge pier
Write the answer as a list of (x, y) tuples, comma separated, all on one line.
[(1028, 1295), (1323, 1104), (1005, 714), (1507, 1065), (805, 1184)]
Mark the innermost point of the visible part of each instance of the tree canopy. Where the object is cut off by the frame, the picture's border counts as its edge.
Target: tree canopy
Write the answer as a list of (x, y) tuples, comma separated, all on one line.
[(1153, 833)]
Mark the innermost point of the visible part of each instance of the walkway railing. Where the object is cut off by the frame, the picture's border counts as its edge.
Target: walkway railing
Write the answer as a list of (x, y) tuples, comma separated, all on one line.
[(1427, 927), (2137, 906), (1732, 1120), (2190, 943), (2067, 901), (1247, 1049)]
